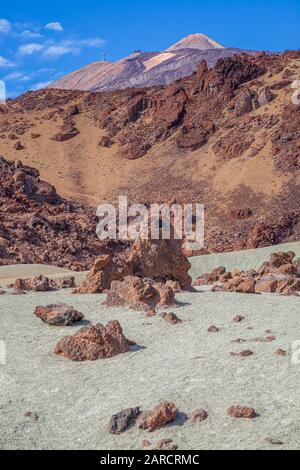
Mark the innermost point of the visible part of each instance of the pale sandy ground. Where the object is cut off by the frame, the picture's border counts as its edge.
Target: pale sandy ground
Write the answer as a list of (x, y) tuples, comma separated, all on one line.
[(183, 363)]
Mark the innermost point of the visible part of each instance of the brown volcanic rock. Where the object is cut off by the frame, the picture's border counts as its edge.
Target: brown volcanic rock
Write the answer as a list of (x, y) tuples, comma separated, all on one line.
[(59, 314), (139, 294), (242, 412), (43, 284), (158, 260), (279, 275), (94, 342), (36, 284), (198, 416), (160, 416), (166, 444)]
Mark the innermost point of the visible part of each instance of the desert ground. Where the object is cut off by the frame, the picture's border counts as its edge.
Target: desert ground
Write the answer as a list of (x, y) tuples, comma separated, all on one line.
[(71, 403)]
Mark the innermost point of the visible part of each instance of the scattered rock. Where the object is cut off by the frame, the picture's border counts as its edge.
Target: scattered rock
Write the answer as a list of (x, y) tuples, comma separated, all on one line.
[(281, 352), (30, 414), (198, 416), (213, 329), (121, 421), (160, 416), (18, 146), (245, 353), (166, 444), (238, 319), (273, 442), (94, 342), (146, 444), (171, 318), (241, 412), (151, 314), (59, 314)]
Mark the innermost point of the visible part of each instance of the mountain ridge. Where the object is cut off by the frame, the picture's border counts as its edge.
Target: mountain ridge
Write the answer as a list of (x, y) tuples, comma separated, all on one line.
[(146, 69)]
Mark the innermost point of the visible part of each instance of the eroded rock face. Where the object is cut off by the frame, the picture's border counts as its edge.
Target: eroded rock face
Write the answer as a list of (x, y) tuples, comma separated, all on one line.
[(160, 416), (281, 275), (94, 342), (58, 314), (121, 421), (139, 294), (242, 412)]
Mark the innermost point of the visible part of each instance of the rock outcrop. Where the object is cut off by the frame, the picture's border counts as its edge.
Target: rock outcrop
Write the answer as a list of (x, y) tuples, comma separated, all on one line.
[(39, 227), (94, 342), (157, 260), (281, 275)]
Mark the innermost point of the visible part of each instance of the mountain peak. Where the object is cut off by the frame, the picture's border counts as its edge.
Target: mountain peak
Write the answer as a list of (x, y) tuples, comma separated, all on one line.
[(196, 41)]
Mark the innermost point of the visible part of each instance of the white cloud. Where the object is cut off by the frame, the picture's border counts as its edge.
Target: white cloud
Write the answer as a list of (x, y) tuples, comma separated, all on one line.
[(54, 26), (30, 48), (5, 62), (5, 26), (31, 34), (59, 50), (40, 86), (18, 76)]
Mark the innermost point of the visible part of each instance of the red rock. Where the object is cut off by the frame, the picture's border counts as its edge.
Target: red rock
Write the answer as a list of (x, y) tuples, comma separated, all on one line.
[(67, 282), (166, 444), (213, 329), (198, 416), (93, 342), (241, 412), (160, 416), (59, 314), (146, 444), (238, 319), (139, 294), (268, 339), (157, 260), (280, 352), (151, 314), (37, 284), (121, 421), (245, 353)]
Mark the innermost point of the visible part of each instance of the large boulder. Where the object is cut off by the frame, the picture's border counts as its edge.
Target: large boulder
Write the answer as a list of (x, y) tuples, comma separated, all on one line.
[(158, 260), (139, 294), (58, 314), (94, 342)]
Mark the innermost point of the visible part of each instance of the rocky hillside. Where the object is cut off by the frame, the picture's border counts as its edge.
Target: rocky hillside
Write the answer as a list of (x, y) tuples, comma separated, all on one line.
[(144, 69), (227, 137), (38, 226)]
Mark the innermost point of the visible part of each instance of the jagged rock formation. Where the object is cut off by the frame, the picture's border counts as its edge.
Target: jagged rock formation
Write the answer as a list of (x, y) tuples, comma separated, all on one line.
[(156, 260)]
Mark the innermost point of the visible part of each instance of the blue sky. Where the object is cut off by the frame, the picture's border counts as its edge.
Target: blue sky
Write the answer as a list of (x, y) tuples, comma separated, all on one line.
[(41, 41)]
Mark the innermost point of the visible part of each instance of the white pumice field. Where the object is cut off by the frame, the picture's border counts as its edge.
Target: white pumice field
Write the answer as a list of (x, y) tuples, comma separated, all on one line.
[(49, 402)]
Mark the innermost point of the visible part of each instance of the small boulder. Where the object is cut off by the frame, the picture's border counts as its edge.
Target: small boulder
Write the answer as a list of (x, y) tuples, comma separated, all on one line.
[(160, 416), (94, 342), (171, 318), (121, 421), (198, 416), (241, 412), (213, 329), (166, 444)]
